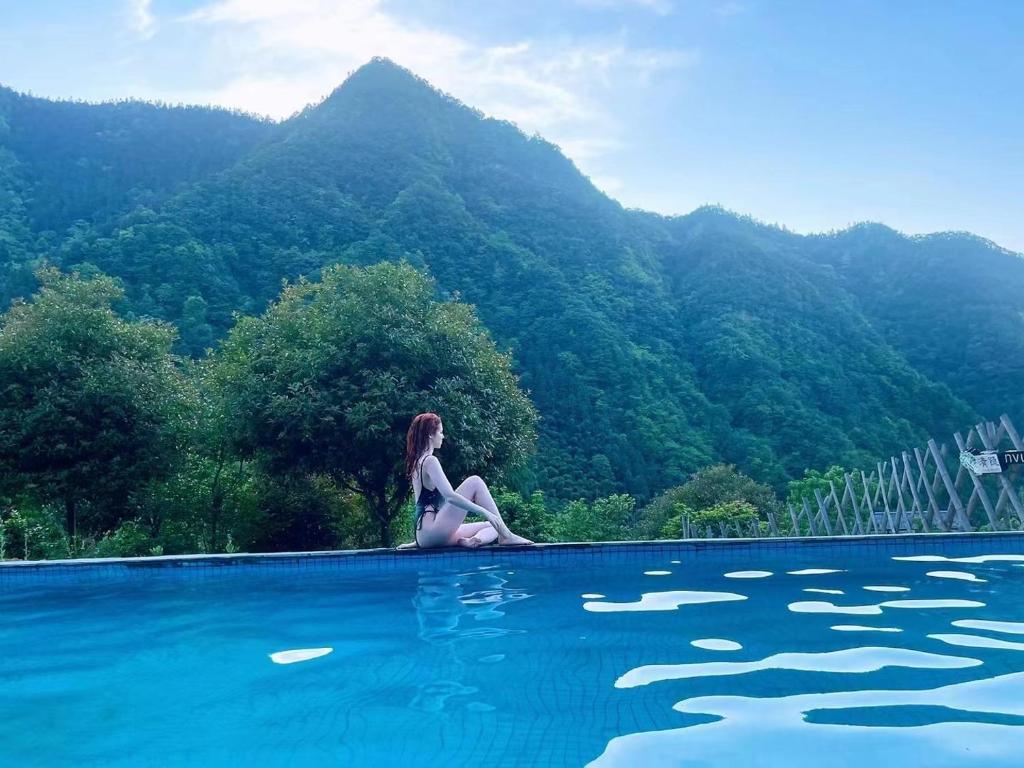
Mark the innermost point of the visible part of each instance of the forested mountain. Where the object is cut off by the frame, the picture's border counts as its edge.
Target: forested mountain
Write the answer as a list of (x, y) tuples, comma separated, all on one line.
[(651, 346)]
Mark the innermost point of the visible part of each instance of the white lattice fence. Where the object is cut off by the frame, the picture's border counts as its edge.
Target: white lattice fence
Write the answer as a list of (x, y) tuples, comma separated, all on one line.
[(924, 490)]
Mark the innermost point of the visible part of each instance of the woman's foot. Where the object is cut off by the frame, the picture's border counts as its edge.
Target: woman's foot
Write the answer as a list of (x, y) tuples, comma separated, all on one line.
[(410, 545), (513, 540), (470, 542)]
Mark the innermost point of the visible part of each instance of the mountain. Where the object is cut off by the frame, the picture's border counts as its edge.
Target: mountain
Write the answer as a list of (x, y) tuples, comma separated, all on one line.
[(651, 345)]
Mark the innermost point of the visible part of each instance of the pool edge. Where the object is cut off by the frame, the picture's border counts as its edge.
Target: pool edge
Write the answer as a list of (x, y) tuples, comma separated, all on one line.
[(366, 555)]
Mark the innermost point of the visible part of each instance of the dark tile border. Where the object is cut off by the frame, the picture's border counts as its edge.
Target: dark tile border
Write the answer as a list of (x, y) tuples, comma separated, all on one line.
[(389, 560)]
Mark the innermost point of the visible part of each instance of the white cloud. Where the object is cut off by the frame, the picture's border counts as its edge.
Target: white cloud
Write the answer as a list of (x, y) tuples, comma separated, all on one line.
[(279, 56), (141, 19)]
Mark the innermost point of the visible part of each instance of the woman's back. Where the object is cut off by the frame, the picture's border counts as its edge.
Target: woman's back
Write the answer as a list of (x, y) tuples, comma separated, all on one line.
[(425, 497)]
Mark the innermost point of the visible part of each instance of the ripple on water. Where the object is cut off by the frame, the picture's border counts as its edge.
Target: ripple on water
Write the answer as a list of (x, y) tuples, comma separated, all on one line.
[(814, 571), (748, 574), (663, 601), (824, 591), (592, 596), (657, 573), (887, 589)]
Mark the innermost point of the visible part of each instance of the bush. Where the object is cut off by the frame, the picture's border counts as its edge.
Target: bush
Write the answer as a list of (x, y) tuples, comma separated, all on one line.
[(607, 519), (33, 533), (129, 540), (708, 488), (735, 516), (527, 517)]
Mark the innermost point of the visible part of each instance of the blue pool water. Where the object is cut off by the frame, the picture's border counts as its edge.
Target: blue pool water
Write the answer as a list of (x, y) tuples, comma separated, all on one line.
[(812, 655)]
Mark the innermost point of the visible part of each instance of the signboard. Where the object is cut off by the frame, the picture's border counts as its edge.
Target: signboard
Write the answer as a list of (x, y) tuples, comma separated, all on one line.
[(981, 463), (1011, 459), (990, 462)]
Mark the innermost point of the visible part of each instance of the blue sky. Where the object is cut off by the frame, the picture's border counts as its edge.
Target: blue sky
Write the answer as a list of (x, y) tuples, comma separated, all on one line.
[(813, 114)]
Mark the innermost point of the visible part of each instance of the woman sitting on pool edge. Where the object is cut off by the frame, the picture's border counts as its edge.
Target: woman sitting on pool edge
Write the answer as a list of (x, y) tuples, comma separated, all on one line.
[(441, 510)]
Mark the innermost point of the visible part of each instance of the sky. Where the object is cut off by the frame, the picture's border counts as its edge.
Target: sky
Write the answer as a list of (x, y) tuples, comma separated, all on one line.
[(810, 114)]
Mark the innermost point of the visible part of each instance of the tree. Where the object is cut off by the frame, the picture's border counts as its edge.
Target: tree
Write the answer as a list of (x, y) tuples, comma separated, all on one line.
[(708, 488), (91, 406), (726, 518), (607, 519), (526, 516), (327, 380)]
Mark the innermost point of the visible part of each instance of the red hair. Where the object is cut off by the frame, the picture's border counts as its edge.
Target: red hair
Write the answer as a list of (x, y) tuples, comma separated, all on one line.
[(417, 440)]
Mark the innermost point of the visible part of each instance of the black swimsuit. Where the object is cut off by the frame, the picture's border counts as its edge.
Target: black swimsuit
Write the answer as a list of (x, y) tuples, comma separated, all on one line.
[(429, 500)]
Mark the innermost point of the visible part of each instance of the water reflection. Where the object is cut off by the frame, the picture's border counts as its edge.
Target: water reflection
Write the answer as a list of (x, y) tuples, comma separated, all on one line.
[(823, 606), (663, 601), (447, 605), (850, 660), (452, 610), (974, 723), (960, 575), (972, 559)]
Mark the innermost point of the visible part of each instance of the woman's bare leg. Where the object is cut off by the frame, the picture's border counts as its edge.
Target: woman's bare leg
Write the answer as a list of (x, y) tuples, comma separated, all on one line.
[(475, 534), (483, 498), (443, 529)]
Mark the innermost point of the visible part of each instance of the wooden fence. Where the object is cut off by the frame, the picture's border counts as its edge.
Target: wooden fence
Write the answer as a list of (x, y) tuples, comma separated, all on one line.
[(924, 490)]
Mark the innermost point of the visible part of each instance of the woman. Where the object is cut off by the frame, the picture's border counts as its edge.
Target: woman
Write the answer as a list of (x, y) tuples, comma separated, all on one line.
[(441, 509)]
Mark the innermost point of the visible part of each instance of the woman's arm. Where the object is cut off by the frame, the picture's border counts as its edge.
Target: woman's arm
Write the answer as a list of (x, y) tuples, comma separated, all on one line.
[(433, 468)]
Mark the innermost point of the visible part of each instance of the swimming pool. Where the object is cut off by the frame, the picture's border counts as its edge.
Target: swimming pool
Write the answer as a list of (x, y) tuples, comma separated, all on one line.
[(816, 653)]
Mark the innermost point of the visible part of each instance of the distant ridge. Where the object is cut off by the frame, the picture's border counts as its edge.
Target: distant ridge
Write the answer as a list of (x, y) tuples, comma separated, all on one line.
[(651, 345)]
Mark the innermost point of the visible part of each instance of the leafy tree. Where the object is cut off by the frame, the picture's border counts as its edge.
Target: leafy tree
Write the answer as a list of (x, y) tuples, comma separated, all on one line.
[(32, 533), (815, 480), (730, 517), (528, 516), (706, 489), (91, 406), (329, 378), (607, 519)]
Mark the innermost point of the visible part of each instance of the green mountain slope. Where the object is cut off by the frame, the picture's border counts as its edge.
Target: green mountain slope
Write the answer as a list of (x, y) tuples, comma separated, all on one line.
[(650, 345), (952, 303)]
